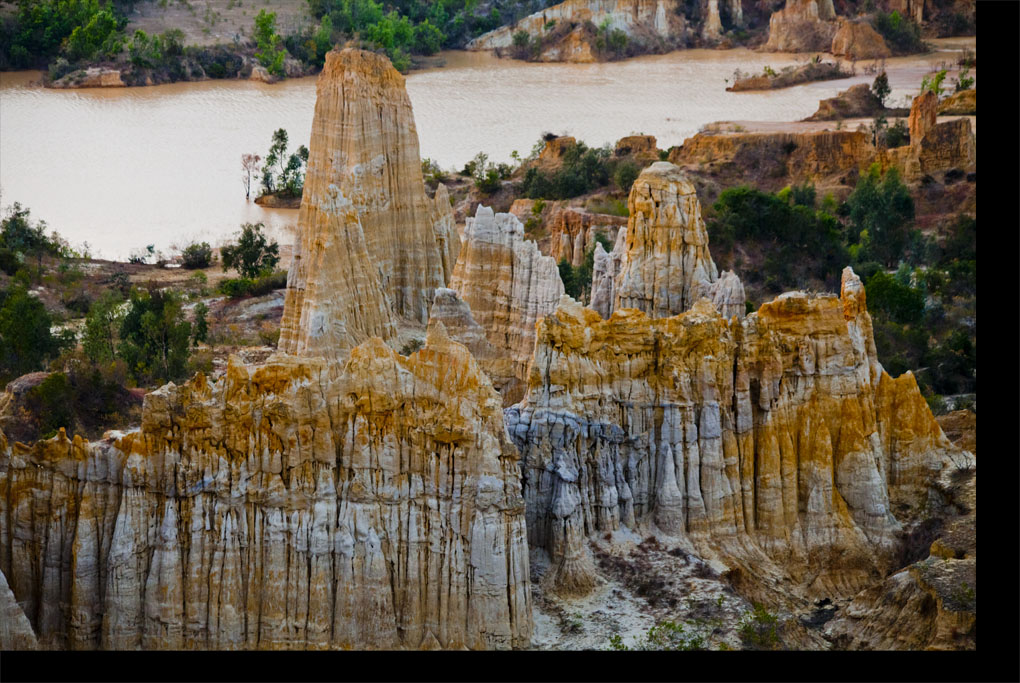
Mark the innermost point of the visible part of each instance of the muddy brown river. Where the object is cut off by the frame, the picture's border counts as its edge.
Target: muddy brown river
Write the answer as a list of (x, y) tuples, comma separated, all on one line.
[(125, 167)]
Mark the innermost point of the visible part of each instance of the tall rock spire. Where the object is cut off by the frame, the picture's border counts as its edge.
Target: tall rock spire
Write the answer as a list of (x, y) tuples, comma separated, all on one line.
[(666, 264), (372, 246)]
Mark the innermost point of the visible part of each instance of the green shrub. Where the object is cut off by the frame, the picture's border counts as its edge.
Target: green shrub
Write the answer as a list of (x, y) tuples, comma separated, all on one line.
[(612, 207), (897, 134), (584, 169), (154, 337), (200, 329), (196, 255), (902, 303), (625, 175), (759, 629), (9, 261), (264, 284), (25, 337), (253, 254), (101, 325), (901, 34), (667, 636), (52, 401), (799, 243), (883, 207)]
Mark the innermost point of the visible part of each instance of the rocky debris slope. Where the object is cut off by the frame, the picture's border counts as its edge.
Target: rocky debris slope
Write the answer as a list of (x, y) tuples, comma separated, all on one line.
[(508, 285), (930, 604), (372, 246), (666, 264), (775, 442), (297, 504)]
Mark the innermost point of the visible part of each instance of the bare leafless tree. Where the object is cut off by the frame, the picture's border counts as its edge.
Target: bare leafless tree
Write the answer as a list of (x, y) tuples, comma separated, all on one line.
[(250, 166)]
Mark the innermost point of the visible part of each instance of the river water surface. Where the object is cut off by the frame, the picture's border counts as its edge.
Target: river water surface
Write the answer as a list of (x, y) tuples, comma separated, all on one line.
[(121, 168)]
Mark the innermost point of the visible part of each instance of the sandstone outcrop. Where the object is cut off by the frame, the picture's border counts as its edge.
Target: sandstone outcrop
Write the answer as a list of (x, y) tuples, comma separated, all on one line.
[(855, 102), (963, 103), (372, 246), (572, 232), (646, 19), (666, 261), (774, 442), (802, 26), (793, 156), (552, 153), (643, 148), (297, 504), (934, 146), (93, 77), (858, 40), (508, 285), (923, 113)]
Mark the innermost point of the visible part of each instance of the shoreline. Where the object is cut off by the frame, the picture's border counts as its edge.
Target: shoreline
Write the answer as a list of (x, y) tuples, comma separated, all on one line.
[(461, 58)]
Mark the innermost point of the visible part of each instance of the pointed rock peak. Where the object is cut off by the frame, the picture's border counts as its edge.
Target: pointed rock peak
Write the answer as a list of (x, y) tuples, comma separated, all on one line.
[(353, 62), (437, 336), (852, 294), (666, 263)]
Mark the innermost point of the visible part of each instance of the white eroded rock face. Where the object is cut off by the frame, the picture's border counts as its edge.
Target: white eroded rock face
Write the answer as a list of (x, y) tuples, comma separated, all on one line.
[(508, 285), (774, 442), (642, 18), (298, 504)]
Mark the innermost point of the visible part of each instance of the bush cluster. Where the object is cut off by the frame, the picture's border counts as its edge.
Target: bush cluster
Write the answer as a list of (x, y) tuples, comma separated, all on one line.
[(901, 34), (584, 169)]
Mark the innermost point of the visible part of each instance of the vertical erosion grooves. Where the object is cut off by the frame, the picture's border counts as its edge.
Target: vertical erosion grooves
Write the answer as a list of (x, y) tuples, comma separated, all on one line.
[(776, 441), (292, 505)]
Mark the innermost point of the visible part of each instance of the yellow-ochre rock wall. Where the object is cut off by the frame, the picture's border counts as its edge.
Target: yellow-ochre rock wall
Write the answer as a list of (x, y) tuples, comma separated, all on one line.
[(297, 504), (775, 440)]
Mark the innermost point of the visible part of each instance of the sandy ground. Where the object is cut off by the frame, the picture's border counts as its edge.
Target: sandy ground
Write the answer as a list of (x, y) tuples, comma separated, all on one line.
[(206, 22)]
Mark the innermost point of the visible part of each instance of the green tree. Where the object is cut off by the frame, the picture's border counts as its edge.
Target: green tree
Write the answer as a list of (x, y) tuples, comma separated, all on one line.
[(196, 255), (884, 208), (20, 236), (901, 302), (99, 36), (101, 325), (253, 255), (570, 285), (154, 336), (269, 52), (933, 83), (881, 87), (25, 337), (201, 327), (52, 400), (625, 175)]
